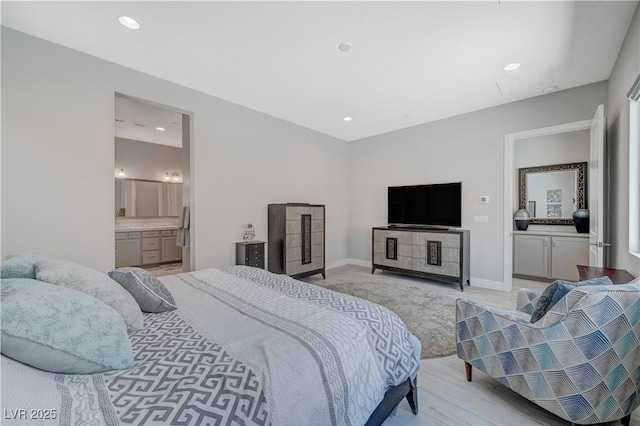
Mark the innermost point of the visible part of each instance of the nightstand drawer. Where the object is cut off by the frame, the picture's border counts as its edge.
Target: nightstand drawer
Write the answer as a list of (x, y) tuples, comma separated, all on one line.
[(250, 253), (255, 249), (256, 263)]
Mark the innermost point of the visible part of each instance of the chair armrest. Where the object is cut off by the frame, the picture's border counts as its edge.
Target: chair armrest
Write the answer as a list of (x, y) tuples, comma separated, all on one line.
[(527, 300), (508, 314)]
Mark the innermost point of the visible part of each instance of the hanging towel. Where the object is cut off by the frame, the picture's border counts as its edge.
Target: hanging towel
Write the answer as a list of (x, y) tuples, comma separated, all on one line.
[(183, 239)]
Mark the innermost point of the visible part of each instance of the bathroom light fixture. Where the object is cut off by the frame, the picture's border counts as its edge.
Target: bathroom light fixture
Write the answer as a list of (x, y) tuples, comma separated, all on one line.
[(128, 22), (121, 173), (176, 176), (160, 129), (167, 177), (511, 67), (347, 119), (549, 89)]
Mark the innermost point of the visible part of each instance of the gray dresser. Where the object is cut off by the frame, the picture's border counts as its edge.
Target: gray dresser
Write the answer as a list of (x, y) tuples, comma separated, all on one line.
[(296, 239), (440, 255)]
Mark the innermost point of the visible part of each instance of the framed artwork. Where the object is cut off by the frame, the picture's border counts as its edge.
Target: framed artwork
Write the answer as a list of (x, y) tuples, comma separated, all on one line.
[(554, 210), (554, 195)]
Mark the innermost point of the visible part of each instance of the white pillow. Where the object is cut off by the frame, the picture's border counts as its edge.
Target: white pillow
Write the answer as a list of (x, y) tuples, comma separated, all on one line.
[(94, 283)]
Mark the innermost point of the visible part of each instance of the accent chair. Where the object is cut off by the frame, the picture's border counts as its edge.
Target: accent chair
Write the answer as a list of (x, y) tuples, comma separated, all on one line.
[(580, 361)]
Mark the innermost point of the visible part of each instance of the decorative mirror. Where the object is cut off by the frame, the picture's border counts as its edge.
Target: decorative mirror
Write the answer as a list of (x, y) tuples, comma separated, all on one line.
[(146, 198), (553, 193)]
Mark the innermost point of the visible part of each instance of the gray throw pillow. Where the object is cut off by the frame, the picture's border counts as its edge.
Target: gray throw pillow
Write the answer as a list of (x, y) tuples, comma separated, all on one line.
[(557, 290), (94, 283), (61, 330), (149, 292)]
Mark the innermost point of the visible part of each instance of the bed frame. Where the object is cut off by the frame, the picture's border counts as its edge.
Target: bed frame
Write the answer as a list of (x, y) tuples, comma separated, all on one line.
[(392, 398)]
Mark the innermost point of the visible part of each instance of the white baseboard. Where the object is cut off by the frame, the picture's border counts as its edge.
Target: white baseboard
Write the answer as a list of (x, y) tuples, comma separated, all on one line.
[(337, 263), (349, 261), (489, 284)]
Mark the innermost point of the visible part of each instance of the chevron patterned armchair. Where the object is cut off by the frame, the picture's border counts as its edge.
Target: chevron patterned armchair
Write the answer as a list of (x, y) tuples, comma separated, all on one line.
[(581, 361)]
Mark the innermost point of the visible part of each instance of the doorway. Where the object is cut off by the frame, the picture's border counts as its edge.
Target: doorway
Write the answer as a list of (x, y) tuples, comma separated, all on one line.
[(152, 196), (595, 181)]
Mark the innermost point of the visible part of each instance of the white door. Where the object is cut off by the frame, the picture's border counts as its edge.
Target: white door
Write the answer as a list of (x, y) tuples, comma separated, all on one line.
[(596, 190)]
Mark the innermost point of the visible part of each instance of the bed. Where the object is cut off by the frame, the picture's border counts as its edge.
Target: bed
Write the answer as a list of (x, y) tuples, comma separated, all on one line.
[(244, 346)]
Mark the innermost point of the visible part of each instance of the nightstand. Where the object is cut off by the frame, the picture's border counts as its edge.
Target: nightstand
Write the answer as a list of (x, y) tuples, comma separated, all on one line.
[(250, 253)]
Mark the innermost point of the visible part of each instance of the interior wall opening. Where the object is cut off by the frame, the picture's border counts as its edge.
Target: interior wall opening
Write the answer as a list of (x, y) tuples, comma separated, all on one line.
[(152, 208)]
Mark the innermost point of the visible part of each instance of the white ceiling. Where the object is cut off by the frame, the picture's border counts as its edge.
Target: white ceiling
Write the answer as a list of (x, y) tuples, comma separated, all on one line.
[(139, 121), (411, 62)]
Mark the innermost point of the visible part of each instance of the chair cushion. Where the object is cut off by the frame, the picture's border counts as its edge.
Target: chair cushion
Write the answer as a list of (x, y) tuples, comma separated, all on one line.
[(557, 290), (20, 266), (61, 330), (149, 292), (94, 283)]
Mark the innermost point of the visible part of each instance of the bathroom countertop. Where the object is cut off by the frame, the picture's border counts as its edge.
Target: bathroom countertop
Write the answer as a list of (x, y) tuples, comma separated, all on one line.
[(551, 233), (146, 228)]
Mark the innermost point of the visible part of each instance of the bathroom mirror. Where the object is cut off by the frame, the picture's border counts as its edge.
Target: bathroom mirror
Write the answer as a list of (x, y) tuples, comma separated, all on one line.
[(146, 198), (552, 193)]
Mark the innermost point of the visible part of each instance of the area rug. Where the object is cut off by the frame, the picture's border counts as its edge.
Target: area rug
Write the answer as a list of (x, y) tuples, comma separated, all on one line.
[(430, 316)]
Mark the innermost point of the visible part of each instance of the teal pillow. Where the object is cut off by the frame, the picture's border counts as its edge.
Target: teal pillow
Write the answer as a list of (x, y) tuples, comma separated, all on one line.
[(20, 266), (557, 290), (61, 330)]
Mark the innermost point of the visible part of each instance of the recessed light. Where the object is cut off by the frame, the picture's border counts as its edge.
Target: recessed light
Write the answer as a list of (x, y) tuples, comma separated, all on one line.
[(128, 22), (511, 67), (549, 89), (345, 47), (160, 129), (347, 119)]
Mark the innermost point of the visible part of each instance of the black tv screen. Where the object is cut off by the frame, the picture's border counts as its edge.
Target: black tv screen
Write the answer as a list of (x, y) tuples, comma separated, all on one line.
[(429, 205)]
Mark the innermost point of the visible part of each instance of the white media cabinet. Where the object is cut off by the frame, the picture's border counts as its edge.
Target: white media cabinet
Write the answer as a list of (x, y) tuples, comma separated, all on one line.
[(435, 254)]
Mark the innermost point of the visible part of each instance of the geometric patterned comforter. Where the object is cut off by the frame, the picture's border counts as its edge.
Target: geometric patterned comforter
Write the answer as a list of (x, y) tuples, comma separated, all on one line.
[(180, 378), (395, 345), (246, 347)]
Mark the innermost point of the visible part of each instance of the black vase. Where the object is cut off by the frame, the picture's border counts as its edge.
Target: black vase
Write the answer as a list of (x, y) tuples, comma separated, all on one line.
[(581, 221)]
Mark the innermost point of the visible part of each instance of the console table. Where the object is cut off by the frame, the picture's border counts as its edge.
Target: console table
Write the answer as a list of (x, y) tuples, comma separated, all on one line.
[(617, 276), (436, 254)]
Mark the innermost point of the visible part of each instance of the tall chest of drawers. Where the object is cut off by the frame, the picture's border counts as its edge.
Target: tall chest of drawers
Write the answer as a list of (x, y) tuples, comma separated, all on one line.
[(440, 255), (296, 243)]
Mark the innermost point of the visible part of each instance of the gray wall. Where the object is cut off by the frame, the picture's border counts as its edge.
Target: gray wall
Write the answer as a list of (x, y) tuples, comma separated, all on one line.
[(467, 148), (624, 73), (58, 159), (144, 160)]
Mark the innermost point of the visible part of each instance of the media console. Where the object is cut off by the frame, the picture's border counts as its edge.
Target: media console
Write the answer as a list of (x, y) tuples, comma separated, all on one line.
[(435, 254)]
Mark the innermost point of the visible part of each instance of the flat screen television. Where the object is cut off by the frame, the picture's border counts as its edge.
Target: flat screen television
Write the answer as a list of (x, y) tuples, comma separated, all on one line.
[(437, 205)]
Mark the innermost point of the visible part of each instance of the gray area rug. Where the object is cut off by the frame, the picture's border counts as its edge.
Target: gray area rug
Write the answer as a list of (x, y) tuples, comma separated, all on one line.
[(430, 316)]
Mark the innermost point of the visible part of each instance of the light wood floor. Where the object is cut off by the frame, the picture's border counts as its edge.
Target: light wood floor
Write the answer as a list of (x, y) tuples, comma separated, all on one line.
[(444, 395)]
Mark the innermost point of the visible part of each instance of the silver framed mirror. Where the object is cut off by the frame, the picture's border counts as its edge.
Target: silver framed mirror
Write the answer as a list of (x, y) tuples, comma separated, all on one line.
[(553, 192), (147, 198)]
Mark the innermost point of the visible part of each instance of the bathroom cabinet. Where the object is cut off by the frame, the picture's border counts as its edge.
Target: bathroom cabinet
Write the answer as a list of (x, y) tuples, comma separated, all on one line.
[(548, 255)]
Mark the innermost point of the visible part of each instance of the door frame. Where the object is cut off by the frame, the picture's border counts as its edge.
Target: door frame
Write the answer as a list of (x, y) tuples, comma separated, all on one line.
[(509, 185)]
